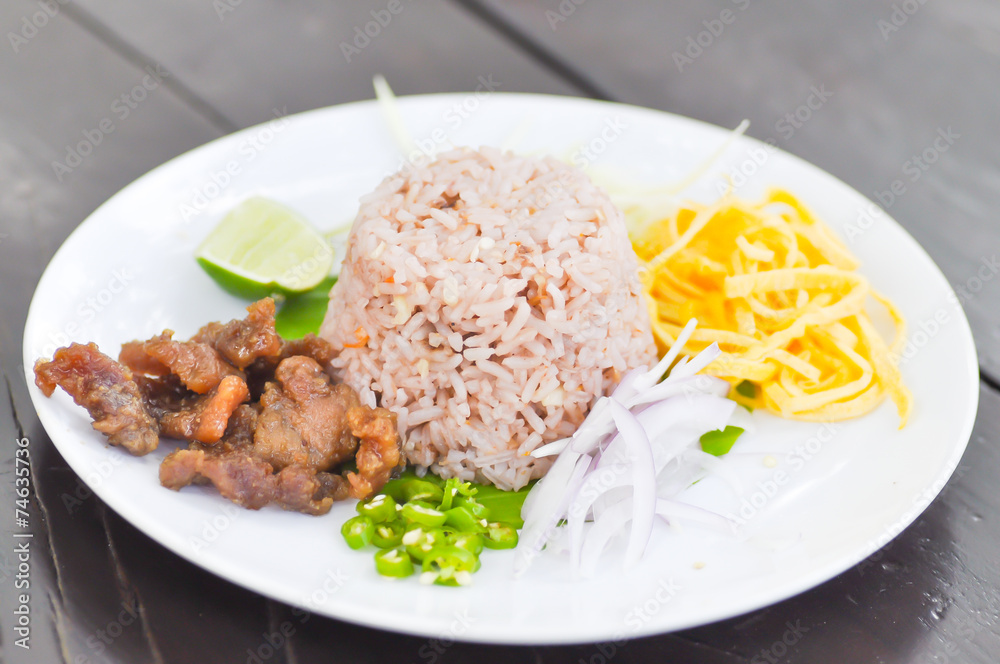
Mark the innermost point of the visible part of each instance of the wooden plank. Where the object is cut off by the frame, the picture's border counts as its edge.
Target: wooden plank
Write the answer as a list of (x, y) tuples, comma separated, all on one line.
[(97, 566), (23, 586), (251, 58), (63, 93), (886, 95)]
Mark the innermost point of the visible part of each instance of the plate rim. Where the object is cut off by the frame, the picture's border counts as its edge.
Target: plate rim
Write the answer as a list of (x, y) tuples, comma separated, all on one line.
[(421, 625)]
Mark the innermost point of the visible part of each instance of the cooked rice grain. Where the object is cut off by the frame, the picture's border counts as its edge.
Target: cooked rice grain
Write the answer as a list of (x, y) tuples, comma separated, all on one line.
[(500, 298)]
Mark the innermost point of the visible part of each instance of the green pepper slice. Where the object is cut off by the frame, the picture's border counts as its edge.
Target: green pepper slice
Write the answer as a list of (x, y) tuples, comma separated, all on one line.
[(388, 534), (395, 563), (422, 490), (500, 536), (448, 565), (379, 509), (471, 542), (478, 510), (462, 520), (358, 531), (421, 513), (419, 541)]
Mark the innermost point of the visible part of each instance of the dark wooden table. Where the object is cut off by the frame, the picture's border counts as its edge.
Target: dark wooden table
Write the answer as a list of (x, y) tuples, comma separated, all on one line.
[(858, 87)]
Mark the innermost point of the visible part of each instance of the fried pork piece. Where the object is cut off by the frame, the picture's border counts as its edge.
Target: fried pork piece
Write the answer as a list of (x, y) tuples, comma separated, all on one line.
[(378, 455), (183, 414), (262, 369), (252, 483), (163, 394), (198, 365), (243, 341), (204, 419), (303, 421), (310, 346), (247, 481), (108, 392)]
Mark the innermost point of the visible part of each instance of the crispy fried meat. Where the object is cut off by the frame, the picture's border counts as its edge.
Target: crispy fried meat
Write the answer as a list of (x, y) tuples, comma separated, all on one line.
[(108, 392), (261, 370), (199, 366), (378, 455), (284, 447), (304, 418), (252, 483), (205, 419), (243, 341)]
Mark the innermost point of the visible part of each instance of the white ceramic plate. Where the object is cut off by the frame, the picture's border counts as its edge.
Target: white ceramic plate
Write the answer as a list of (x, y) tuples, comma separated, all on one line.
[(836, 495)]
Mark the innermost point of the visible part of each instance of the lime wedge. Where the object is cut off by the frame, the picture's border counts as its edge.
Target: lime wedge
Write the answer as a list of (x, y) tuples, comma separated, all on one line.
[(262, 247)]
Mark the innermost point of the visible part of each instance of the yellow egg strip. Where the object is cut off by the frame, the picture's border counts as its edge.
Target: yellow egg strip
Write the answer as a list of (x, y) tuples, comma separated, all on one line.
[(777, 290)]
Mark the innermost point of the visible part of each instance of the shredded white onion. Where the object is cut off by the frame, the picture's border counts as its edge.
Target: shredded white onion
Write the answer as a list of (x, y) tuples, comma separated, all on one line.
[(628, 461)]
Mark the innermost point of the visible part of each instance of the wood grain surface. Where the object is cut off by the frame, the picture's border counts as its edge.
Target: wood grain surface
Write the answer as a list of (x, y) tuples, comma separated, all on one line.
[(875, 99)]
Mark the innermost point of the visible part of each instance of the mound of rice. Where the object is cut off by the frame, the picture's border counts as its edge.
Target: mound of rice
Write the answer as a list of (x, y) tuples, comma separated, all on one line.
[(488, 300)]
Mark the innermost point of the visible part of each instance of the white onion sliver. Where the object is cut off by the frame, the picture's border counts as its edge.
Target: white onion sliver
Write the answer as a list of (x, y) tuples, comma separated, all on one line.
[(686, 512), (643, 480), (645, 434), (604, 528)]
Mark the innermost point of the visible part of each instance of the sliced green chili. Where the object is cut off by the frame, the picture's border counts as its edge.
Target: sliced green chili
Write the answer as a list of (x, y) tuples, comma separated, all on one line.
[(395, 563), (358, 531), (422, 490), (423, 514), (419, 542), (449, 566), (500, 536), (471, 542), (464, 521), (388, 534), (477, 508), (721, 441), (378, 509)]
